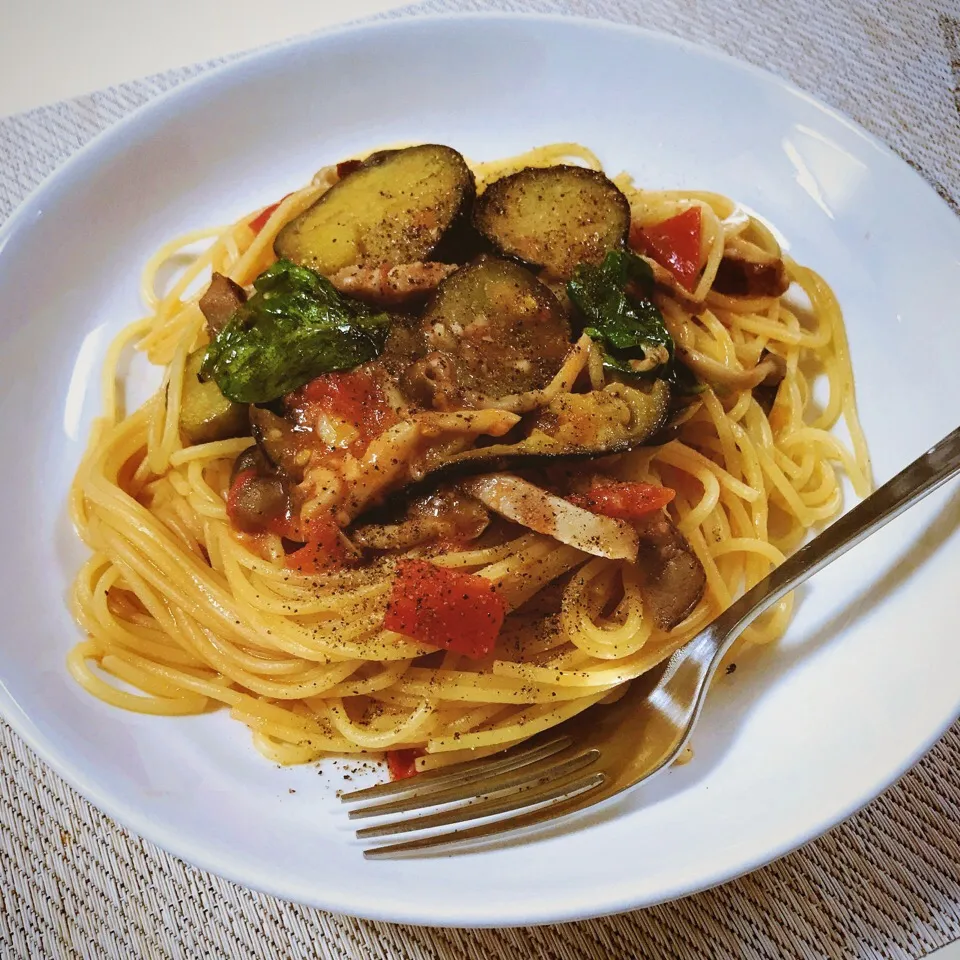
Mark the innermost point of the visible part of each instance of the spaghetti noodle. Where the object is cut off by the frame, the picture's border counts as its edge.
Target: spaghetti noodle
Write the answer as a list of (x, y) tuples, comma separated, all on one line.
[(182, 613)]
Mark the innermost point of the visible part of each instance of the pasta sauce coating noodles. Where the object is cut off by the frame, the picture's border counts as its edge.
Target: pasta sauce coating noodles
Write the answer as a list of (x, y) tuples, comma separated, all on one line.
[(665, 459)]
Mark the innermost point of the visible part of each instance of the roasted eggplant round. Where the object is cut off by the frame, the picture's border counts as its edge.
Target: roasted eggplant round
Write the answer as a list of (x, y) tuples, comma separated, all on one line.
[(398, 206), (554, 217), (503, 331)]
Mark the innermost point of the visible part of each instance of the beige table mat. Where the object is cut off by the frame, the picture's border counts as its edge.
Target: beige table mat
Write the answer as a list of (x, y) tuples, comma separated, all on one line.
[(884, 884)]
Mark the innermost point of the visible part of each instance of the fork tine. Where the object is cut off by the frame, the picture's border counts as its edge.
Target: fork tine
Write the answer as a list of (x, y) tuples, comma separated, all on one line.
[(527, 778), (549, 805), (466, 772)]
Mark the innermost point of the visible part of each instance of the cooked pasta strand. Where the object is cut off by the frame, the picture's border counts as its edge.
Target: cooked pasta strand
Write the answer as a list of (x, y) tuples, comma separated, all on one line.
[(179, 606)]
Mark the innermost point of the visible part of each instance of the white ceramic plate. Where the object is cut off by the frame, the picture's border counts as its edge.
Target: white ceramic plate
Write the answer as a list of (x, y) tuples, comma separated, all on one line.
[(798, 738)]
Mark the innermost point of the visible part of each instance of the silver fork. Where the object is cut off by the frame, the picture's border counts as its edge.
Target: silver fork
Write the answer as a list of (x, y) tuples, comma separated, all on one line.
[(598, 754)]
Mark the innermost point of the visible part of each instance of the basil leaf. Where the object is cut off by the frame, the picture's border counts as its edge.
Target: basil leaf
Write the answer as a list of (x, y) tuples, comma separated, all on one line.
[(630, 329), (294, 328)]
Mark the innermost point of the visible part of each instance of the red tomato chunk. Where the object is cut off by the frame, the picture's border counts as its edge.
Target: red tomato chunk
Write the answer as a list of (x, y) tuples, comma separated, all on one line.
[(323, 549), (260, 220), (354, 397), (624, 501), (402, 764), (445, 608), (674, 244)]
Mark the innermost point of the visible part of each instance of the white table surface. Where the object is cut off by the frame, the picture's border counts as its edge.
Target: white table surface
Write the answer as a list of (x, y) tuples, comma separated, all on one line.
[(56, 49)]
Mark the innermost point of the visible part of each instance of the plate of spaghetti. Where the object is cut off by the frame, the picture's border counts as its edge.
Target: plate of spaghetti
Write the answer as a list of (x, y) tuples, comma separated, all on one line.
[(385, 429)]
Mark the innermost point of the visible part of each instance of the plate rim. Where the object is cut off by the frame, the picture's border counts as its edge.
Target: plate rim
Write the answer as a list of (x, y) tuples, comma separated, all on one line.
[(129, 817)]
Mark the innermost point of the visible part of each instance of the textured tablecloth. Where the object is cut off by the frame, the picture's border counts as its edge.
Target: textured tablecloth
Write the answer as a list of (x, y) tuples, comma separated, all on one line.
[(886, 883)]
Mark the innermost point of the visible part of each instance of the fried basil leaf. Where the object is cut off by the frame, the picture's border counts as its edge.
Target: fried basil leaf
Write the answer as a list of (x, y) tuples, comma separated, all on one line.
[(630, 329), (294, 328)]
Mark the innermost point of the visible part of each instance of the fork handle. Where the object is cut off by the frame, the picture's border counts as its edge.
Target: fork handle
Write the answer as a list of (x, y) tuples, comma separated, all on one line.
[(912, 484)]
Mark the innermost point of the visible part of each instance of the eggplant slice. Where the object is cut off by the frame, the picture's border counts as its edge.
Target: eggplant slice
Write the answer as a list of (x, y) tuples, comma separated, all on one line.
[(397, 207), (630, 416), (205, 413), (747, 270), (446, 514), (554, 217), (499, 329)]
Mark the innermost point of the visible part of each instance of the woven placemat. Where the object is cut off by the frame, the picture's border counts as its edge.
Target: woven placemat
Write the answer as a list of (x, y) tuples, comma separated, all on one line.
[(886, 883)]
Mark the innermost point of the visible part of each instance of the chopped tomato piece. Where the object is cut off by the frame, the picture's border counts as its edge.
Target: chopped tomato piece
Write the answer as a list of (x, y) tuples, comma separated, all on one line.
[(674, 244), (355, 398), (402, 764), (445, 608), (260, 220), (323, 549), (343, 392), (624, 501)]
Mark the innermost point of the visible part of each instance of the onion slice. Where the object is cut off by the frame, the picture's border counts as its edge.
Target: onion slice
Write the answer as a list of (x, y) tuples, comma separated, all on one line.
[(529, 505)]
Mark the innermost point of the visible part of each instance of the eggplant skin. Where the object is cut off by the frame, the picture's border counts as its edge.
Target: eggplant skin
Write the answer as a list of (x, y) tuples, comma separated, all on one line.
[(205, 413), (554, 217), (556, 434), (398, 206), (553, 440), (504, 331), (222, 299), (739, 277)]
